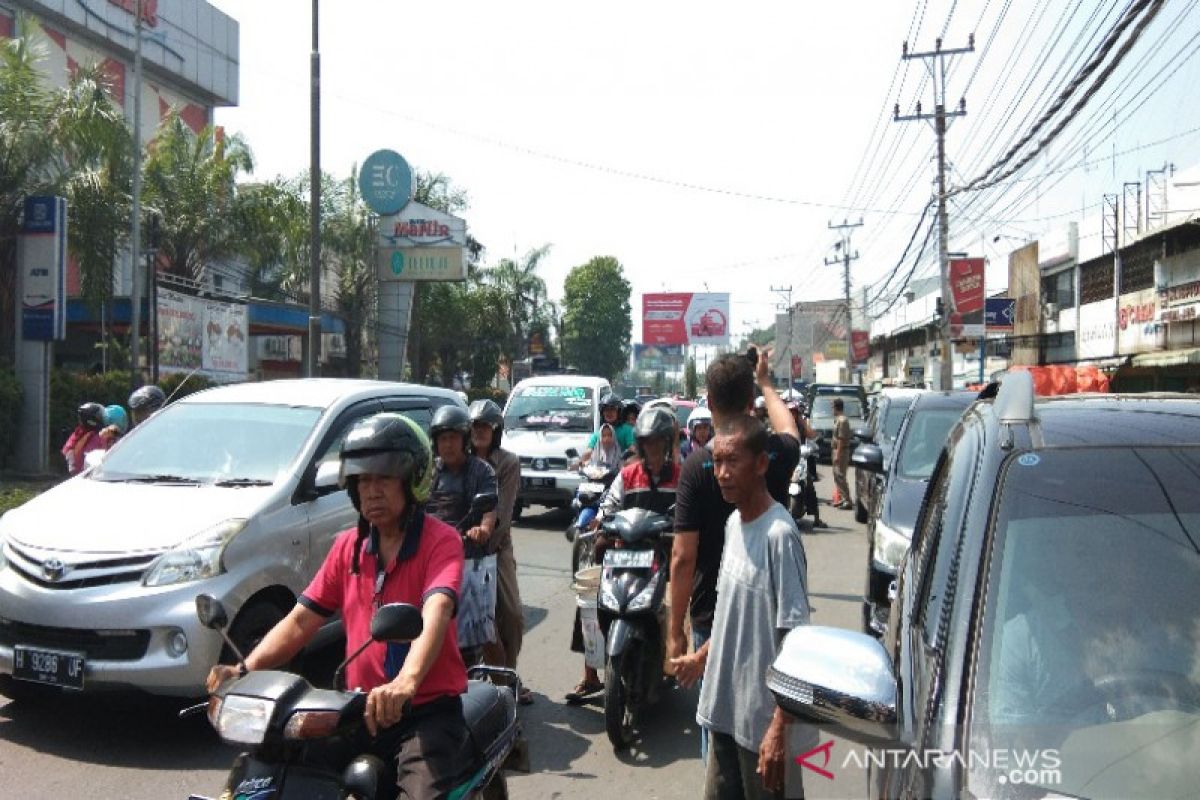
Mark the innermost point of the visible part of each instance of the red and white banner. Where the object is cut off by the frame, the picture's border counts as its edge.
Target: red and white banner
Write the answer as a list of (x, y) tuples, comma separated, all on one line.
[(861, 342), (967, 297), (685, 318)]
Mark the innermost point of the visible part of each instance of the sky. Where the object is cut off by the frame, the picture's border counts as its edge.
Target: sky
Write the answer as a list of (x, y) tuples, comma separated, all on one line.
[(708, 146)]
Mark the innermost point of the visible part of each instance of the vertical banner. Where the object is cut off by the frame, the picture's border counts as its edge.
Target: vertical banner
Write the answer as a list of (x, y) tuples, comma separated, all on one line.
[(797, 367), (224, 354), (967, 297), (861, 341), (180, 332), (43, 264), (685, 318)]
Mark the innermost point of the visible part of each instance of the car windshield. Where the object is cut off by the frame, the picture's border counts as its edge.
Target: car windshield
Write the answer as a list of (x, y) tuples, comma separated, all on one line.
[(823, 406), (923, 440), (212, 442), (566, 408), (1090, 646), (896, 410)]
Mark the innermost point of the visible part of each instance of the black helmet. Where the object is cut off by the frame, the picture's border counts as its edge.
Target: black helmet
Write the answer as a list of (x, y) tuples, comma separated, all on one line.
[(387, 444), (630, 405), (91, 415), (656, 422), (148, 398), (450, 418), (610, 400), (489, 413)]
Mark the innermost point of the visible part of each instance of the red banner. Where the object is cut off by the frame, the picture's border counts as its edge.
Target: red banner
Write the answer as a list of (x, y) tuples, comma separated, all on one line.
[(797, 367), (685, 318), (967, 297), (861, 342)]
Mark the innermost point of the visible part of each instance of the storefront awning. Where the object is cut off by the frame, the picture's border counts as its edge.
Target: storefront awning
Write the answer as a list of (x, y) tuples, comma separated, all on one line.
[(1169, 358)]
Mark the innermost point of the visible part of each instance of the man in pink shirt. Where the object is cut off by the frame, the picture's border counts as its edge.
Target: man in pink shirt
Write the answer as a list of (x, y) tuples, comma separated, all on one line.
[(396, 554)]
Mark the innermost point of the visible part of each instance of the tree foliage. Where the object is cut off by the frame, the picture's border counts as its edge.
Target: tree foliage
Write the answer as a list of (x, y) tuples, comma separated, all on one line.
[(596, 317), (690, 379)]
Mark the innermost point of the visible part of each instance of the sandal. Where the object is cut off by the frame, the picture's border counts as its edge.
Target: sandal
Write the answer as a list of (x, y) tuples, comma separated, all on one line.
[(583, 690)]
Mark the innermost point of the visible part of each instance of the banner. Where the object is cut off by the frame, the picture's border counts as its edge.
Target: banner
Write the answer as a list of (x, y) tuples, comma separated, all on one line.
[(651, 358), (967, 297), (685, 318), (861, 342), (999, 314), (797, 367), (203, 335), (42, 260), (1139, 330)]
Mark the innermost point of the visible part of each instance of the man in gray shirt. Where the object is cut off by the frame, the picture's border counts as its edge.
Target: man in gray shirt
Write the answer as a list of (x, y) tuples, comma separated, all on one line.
[(761, 595)]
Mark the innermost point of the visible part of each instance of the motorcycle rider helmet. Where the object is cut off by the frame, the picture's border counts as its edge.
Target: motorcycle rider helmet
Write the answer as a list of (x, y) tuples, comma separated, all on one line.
[(656, 422), (387, 444), (451, 418), (115, 415), (91, 416), (489, 413), (630, 406), (696, 417), (147, 399), (609, 400)]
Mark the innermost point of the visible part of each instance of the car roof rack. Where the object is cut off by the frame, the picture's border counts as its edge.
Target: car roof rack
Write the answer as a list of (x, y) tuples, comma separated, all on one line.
[(1014, 399)]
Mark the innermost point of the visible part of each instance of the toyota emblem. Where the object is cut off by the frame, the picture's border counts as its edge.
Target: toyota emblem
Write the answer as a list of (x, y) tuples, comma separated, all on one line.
[(53, 569), (540, 465)]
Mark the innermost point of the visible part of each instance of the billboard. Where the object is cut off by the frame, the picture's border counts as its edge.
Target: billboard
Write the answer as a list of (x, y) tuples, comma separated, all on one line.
[(420, 243), (685, 318), (202, 335), (651, 357), (861, 341), (967, 297), (1139, 329)]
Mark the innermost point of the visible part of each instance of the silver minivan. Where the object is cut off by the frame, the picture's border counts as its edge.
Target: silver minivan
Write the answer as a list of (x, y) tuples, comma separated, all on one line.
[(230, 492)]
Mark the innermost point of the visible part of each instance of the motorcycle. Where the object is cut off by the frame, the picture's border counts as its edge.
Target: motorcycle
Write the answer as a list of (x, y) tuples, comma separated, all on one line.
[(282, 719), (631, 602), (799, 481), (586, 505)]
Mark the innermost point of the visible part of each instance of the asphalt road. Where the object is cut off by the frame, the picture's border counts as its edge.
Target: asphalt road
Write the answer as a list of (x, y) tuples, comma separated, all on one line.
[(137, 748)]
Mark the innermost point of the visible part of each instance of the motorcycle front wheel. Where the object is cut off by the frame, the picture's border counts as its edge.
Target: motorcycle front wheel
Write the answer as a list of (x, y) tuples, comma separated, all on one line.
[(618, 716)]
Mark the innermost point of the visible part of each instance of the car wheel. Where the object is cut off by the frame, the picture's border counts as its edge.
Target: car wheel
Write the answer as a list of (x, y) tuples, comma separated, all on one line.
[(860, 513), (251, 625)]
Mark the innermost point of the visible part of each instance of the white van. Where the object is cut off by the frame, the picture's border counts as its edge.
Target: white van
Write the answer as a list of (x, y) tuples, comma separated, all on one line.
[(544, 418)]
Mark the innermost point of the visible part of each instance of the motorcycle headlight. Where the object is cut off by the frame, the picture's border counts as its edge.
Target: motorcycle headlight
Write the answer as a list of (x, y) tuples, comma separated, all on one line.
[(642, 601), (244, 720), (889, 549), (196, 558)]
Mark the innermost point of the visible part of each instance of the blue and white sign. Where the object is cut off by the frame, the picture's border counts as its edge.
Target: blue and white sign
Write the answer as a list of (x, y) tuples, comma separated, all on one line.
[(385, 182), (999, 314), (43, 264)]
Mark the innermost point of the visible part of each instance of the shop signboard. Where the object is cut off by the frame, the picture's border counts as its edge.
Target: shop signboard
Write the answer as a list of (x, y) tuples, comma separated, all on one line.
[(999, 314), (1097, 328), (1140, 330), (685, 318)]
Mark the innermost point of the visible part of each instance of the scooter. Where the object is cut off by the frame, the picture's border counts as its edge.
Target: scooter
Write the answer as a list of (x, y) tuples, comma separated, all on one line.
[(280, 716), (630, 604), (800, 477), (586, 505)]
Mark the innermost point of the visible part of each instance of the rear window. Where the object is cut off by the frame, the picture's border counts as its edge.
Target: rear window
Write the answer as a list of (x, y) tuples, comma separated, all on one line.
[(823, 406)]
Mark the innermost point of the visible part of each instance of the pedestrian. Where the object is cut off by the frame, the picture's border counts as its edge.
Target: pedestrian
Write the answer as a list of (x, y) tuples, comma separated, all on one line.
[(487, 433), (701, 511), (85, 438), (842, 438), (762, 594), (459, 476)]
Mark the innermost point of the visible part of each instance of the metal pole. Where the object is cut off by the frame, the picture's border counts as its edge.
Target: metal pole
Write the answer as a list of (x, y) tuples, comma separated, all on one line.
[(314, 299), (947, 377), (135, 234), (849, 312)]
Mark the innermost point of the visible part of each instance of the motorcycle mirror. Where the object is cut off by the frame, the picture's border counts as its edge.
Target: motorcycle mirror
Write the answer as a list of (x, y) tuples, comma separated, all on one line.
[(396, 622), (483, 503), (210, 612)]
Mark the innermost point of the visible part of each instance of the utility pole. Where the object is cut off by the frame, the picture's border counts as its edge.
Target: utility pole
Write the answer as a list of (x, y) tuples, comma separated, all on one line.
[(847, 229), (314, 202), (785, 295), (135, 233), (935, 62)]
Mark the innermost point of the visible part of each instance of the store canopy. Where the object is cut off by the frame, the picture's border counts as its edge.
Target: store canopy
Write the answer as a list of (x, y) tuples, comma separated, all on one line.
[(1169, 358)]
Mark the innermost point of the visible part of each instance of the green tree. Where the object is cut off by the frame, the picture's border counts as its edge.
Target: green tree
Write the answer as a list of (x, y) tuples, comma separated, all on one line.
[(596, 317), (527, 306), (690, 379)]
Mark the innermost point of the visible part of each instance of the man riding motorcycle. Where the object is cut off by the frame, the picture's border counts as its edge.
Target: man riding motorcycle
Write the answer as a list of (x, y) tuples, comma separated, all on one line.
[(396, 554)]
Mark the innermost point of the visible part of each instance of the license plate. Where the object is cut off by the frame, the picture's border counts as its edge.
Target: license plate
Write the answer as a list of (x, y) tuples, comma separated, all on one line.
[(629, 559), (54, 667), (538, 483), (592, 488)]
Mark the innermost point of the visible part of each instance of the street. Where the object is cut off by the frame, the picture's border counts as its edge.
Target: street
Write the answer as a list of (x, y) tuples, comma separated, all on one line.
[(135, 747)]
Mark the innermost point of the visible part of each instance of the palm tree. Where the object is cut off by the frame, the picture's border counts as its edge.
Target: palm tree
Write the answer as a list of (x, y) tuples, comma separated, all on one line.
[(525, 297)]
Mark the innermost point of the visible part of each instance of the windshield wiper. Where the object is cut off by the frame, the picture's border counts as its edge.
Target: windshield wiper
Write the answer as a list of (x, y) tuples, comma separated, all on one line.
[(158, 479), (243, 482)]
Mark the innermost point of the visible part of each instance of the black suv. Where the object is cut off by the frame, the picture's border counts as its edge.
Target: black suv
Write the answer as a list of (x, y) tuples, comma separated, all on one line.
[(1044, 639)]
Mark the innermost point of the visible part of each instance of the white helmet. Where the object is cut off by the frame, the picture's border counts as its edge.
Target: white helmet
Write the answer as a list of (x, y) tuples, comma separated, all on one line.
[(696, 417)]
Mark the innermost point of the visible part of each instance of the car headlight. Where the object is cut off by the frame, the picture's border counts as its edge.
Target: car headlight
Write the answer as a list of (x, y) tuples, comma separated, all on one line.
[(642, 601), (244, 720), (889, 548), (196, 558)]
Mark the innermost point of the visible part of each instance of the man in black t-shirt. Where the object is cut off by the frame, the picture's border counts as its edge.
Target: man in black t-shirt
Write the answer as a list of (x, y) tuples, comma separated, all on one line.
[(701, 511)]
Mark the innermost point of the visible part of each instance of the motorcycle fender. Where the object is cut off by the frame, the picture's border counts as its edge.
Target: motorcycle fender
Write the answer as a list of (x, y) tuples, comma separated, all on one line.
[(251, 778), (619, 635)]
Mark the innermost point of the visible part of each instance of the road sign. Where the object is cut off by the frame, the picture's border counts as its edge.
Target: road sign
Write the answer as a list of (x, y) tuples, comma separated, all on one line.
[(385, 182), (1000, 313)]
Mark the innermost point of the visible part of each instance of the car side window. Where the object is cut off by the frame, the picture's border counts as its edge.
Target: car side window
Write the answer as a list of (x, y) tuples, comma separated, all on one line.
[(332, 446), (418, 409)]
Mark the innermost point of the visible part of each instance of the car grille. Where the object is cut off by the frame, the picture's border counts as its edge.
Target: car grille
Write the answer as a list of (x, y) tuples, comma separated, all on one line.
[(108, 645), (50, 572), (551, 463)]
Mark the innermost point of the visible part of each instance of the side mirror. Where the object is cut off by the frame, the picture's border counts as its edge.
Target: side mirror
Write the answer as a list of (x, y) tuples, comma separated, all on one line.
[(396, 622), (572, 452), (868, 457), (483, 503), (863, 434), (838, 679), (327, 475), (210, 612)]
